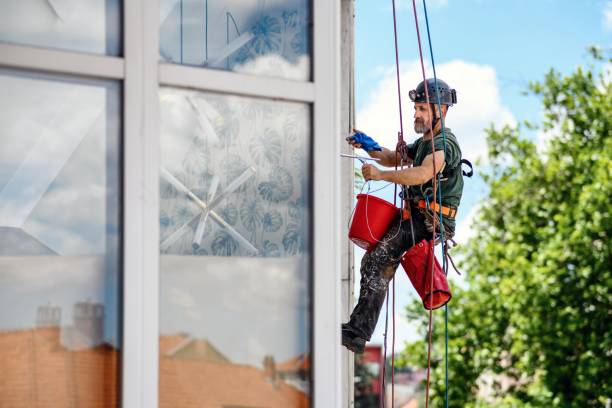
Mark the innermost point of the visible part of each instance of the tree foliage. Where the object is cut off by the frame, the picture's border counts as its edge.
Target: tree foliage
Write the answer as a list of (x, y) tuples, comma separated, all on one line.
[(533, 321)]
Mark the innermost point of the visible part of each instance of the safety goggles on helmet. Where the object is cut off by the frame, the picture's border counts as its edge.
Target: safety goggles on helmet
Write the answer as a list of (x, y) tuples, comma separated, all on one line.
[(447, 95)]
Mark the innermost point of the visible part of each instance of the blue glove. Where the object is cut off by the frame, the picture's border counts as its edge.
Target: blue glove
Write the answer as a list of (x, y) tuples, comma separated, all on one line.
[(367, 143)]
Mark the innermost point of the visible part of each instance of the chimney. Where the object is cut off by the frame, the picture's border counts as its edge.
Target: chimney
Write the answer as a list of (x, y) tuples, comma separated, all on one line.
[(48, 321), (270, 372), (48, 316), (89, 321)]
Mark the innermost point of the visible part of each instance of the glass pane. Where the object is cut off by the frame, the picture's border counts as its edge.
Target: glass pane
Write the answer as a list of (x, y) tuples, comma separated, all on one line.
[(92, 26), (235, 257), (59, 241), (260, 37)]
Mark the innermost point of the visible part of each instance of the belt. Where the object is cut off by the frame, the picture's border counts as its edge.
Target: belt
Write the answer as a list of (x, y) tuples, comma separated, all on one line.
[(446, 211)]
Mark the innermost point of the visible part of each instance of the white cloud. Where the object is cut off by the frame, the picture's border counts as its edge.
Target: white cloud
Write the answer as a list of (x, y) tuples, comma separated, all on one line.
[(465, 229), (479, 105), (607, 16)]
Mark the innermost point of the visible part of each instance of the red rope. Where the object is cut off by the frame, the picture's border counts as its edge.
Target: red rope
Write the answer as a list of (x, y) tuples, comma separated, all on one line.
[(398, 159), (435, 189)]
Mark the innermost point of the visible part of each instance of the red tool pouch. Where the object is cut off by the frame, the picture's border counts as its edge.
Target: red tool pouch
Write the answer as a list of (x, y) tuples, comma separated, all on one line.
[(417, 264)]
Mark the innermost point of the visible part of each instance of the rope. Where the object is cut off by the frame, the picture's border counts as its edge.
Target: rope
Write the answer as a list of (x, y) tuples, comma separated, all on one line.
[(434, 184), (206, 32), (399, 157), (181, 29), (442, 240)]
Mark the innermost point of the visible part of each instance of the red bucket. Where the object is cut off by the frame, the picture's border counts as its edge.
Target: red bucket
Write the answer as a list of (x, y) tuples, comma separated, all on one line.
[(371, 220), (417, 264)]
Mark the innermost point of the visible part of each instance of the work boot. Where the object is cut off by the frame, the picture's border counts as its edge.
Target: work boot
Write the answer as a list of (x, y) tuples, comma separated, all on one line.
[(352, 342)]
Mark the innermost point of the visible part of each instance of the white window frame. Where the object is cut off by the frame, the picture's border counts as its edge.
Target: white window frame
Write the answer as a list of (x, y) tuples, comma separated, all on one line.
[(141, 74)]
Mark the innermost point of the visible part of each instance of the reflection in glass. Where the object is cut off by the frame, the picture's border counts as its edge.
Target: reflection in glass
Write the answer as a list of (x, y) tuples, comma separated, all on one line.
[(234, 218), (91, 26), (261, 37), (59, 241)]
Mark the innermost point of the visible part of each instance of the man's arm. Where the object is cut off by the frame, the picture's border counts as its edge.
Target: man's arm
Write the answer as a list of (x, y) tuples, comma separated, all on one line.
[(409, 177)]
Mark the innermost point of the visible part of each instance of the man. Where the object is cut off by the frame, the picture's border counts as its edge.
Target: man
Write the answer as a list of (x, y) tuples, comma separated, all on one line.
[(418, 219)]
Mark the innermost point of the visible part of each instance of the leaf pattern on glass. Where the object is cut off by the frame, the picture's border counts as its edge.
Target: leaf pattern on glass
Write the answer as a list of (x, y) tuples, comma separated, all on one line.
[(241, 57), (290, 130), (290, 17), (272, 221), (298, 160), (164, 219), (270, 249), (267, 32), (229, 214), (251, 214), (296, 208), (266, 147), (224, 244), (234, 168), (166, 191), (291, 239), (200, 251), (228, 125), (299, 42), (279, 187)]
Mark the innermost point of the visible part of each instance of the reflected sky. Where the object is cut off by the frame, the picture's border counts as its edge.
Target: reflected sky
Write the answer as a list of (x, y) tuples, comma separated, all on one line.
[(245, 307), (59, 197), (91, 26), (262, 37)]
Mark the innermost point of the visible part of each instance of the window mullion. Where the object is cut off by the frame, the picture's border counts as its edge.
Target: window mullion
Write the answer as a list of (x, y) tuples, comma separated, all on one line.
[(61, 62), (141, 200), (234, 83)]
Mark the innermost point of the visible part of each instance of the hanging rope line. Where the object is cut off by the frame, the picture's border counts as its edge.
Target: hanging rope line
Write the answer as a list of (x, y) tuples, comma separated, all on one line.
[(399, 149), (434, 183), (442, 240)]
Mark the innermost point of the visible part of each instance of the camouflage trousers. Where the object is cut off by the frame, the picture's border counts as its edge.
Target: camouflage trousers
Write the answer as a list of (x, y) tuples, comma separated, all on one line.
[(378, 268)]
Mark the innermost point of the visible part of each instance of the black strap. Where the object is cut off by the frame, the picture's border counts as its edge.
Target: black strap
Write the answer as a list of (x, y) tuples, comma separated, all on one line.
[(450, 172)]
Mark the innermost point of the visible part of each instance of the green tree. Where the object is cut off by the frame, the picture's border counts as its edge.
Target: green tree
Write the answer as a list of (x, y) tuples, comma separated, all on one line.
[(534, 319)]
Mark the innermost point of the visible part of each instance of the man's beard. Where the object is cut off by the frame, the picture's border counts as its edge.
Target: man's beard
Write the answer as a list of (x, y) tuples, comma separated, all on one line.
[(420, 127)]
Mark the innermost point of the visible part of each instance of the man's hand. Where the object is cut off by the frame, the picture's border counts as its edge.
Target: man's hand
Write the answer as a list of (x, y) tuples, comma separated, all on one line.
[(371, 172), (361, 140), (352, 142)]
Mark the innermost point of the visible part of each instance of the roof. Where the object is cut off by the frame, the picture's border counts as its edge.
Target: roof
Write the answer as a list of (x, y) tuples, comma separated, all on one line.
[(193, 373)]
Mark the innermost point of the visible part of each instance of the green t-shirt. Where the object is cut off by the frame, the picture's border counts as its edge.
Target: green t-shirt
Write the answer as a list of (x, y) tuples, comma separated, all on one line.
[(452, 187)]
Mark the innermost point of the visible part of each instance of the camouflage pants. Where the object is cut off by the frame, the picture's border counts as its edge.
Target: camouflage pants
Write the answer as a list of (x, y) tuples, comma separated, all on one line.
[(377, 269)]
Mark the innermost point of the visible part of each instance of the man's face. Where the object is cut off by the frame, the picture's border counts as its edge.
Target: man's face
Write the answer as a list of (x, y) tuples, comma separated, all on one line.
[(422, 117)]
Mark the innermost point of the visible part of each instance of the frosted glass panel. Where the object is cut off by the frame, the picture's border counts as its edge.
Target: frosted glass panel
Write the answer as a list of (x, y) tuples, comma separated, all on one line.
[(235, 255), (260, 37)]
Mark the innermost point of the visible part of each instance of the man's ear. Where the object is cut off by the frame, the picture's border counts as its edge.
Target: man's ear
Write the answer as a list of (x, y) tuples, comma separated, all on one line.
[(444, 110)]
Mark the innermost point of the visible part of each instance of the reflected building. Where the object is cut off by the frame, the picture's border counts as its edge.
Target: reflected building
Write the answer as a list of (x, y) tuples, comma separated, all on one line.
[(53, 365)]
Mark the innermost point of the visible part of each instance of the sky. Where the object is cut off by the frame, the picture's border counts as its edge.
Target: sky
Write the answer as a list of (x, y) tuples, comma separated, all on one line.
[(489, 50)]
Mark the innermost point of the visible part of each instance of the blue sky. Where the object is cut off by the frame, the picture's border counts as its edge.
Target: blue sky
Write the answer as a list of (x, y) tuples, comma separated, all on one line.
[(489, 50), (521, 39)]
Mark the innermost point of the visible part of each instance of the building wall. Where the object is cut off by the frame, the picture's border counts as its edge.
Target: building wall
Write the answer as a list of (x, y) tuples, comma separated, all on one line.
[(347, 123), (123, 121)]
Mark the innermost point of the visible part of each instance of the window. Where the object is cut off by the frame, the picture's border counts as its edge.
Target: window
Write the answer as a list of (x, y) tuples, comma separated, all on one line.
[(59, 240), (270, 38), (234, 243), (91, 26)]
